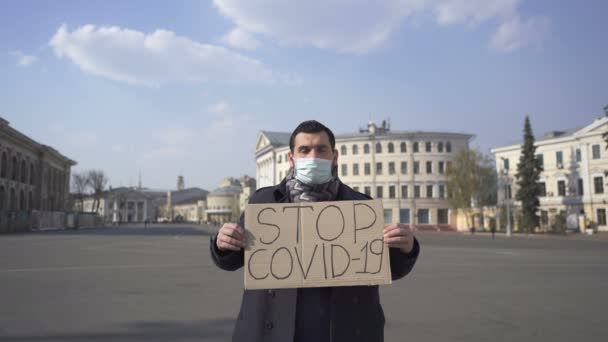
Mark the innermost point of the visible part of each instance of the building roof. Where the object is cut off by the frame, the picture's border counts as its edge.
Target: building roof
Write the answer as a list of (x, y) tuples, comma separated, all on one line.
[(190, 195), (277, 138)]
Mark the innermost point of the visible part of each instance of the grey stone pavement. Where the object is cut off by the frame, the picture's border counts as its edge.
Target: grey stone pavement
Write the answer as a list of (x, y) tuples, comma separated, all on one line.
[(159, 284)]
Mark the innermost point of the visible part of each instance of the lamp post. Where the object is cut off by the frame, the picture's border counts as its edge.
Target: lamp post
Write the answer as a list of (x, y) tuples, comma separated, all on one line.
[(507, 183)]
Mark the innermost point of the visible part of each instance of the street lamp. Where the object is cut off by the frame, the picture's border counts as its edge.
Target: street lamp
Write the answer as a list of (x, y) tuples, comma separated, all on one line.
[(507, 183)]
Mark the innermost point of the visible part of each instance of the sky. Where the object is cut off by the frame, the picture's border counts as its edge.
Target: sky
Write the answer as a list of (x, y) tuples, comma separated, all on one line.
[(162, 88)]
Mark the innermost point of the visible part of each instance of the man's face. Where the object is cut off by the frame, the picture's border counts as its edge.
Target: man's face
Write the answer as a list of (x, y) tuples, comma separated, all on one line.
[(313, 145)]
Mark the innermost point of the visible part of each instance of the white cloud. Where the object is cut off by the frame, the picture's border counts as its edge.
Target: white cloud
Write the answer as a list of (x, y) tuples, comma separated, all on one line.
[(221, 107), (155, 58), (23, 60), (353, 26), (240, 39), (516, 34)]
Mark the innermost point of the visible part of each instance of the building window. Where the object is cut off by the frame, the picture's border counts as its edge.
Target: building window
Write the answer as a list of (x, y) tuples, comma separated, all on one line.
[(32, 174), (391, 168), (508, 193), (368, 190), (343, 150), (378, 148), (441, 167), (355, 149), (379, 193), (388, 216), (595, 151), (15, 169), (404, 191), (448, 147), (2, 197), (541, 160), (21, 200), (440, 146), (356, 188), (415, 147), (580, 187), (4, 165), (416, 191), (404, 216), (442, 216), (598, 185), (378, 168), (579, 157), (344, 168), (366, 149), (561, 188), (429, 167), (559, 159), (355, 169), (441, 191), (505, 163), (601, 217), (367, 169), (423, 216), (391, 147), (23, 172), (429, 191), (416, 167), (403, 147), (403, 168), (542, 189), (391, 191), (427, 146)]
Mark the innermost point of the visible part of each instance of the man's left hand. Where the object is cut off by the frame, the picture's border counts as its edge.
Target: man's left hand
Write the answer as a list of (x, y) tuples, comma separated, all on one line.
[(398, 235)]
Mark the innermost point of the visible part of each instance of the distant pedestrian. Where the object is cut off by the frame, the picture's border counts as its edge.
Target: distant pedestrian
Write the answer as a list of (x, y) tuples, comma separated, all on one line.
[(493, 229)]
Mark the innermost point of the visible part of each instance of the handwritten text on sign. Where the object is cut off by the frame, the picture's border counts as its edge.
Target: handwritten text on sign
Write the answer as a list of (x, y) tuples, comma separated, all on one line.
[(315, 244)]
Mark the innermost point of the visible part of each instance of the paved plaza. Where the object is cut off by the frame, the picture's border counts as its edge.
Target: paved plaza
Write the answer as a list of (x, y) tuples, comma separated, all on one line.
[(159, 284)]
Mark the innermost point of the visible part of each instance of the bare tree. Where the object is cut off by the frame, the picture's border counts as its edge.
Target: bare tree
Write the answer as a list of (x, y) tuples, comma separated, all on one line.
[(98, 181), (80, 183), (464, 181)]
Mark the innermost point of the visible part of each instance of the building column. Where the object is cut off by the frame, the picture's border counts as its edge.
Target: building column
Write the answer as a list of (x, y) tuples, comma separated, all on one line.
[(115, 211), (136, 211), (145, 210)]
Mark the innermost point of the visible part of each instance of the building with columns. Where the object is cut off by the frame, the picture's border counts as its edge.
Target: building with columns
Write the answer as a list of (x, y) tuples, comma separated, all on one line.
[(406, 169), (33, 178), (573, 180)]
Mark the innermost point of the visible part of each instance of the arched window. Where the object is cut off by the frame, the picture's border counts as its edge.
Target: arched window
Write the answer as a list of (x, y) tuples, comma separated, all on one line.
[(21, 200), (378, 148), (366, 149), (32, 173), (15, 169), (448, 147), (12, 202), (403, 147), (427, 146), (4, 165), (343, 150), (440, 146), (23, 172), (415, 148), (355, 149), (391, 148), (280, 158), (2, 197), (30, 201)]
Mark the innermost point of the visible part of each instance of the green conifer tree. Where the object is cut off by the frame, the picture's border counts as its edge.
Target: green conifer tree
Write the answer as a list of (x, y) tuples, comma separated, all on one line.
[(528, 173)]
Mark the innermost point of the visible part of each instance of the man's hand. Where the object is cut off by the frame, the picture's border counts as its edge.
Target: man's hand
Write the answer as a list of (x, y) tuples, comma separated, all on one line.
[(398, 235), (231, 237)]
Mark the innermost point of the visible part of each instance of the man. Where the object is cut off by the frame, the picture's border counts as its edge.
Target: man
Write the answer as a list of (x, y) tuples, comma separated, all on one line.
[(323, 314)]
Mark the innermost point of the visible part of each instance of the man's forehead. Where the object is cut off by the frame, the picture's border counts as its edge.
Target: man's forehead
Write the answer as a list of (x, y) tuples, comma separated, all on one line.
[(310, 139)]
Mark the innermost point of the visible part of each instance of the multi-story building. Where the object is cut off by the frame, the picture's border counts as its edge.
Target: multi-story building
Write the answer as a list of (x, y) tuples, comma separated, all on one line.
[(406, 169), (33, 177), (573, 180), (226, 203)]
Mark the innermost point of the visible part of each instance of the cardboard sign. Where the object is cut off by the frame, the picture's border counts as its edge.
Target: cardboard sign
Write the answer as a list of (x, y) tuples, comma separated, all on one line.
[(315, 244)]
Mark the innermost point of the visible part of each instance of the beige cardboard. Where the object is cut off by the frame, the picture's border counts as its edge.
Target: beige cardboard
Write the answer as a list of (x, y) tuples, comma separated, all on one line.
[(315, 245)]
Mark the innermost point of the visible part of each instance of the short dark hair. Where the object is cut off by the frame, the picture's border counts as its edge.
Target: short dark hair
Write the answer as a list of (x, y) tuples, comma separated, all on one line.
[(312, 126)]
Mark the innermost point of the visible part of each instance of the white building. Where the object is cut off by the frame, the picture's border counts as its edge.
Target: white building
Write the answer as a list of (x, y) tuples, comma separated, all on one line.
[(406, 169), (575, 164)]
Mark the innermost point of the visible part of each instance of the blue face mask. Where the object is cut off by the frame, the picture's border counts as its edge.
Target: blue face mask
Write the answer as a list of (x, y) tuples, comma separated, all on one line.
[(312, 171)]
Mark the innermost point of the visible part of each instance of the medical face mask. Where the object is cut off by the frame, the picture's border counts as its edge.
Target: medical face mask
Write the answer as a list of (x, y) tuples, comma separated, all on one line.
[(312, 171)]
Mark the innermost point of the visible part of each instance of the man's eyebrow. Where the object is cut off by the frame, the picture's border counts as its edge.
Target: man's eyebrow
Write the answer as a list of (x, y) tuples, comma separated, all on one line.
[(314, 146)]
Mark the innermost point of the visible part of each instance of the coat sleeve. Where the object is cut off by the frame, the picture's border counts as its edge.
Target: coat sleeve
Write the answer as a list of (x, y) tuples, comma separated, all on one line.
[(227, 260), (402, 264)]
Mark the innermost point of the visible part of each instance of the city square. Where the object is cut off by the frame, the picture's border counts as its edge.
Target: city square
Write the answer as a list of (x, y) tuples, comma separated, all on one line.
[(159, 284)]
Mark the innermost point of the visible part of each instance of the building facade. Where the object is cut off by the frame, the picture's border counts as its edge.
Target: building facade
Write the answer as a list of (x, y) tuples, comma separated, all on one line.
[(404, 169), (33, 177), (227, 202), (573, 180)]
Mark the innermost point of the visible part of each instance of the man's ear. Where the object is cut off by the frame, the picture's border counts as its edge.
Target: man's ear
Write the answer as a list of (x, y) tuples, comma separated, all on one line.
[(335, 160), (290, 158)]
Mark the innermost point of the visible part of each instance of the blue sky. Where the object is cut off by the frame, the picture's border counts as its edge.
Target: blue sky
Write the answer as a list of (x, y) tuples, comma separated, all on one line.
[(185, 86)]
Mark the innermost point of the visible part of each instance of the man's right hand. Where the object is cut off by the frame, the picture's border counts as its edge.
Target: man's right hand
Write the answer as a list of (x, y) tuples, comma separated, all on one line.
[(231, 237)]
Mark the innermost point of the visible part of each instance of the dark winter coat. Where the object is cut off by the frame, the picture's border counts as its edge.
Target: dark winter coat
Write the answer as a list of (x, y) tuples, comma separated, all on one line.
[(269, 315)]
